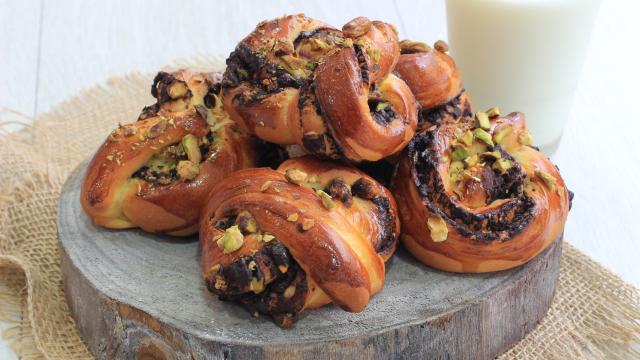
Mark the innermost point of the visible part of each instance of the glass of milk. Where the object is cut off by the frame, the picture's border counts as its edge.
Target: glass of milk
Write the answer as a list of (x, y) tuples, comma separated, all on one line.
[(523, 55)]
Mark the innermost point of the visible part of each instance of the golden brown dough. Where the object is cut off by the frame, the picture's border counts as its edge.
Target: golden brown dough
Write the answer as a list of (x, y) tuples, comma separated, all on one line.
[(431, 74), (434, 79), (303, 236), (156, 173), (295, 80), (474, 196)]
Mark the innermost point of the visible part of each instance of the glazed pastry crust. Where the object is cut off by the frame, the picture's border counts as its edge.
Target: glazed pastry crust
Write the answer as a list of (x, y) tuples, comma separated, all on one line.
[(432, 75), (295, 80), (500, 235), (114, 198), (340, 249)]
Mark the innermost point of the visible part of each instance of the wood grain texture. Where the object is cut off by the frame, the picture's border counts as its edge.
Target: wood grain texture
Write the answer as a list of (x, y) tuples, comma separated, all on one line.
[(134, 293)]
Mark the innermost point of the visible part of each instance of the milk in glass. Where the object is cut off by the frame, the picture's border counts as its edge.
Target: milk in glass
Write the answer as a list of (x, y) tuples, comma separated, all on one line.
[(522, 55)]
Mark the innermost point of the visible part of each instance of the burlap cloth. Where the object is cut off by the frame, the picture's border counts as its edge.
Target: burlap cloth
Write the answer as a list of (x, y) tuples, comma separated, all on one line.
[(595, 313)]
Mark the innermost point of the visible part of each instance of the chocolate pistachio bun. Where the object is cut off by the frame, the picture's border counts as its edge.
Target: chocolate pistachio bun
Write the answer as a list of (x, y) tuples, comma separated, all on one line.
[(295, 80), (156, 173), (474, 196), (308, 234)]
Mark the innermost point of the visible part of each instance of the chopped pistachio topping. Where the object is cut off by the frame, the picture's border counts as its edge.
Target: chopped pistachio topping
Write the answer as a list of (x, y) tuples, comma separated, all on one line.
[(437, 228), (188, 170), (295, 176), (441, 46), (178, 90), (242, 73), (232, 240), (292, 217), (257, 286), (503, 165), (381, 106), (483, 136), (252, 265), (547, 178), (459, 153), (493, 112), (471, 160), (220, 283), (246, 222), (502, 133), (376, 55), (455, 171), (409, 46), (525, 138), (483, 120), (491, 154), (267, 237), (327, 201), (308, 224), (289, 292), (467, 138), (191, 148), (155, 130), (265, 186)]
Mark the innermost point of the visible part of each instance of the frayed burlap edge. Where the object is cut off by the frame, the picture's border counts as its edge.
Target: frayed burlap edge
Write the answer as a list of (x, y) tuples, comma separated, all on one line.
[(595, 314)]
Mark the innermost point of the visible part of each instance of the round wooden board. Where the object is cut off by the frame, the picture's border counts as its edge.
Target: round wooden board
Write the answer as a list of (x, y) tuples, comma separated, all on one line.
[(140, 296)]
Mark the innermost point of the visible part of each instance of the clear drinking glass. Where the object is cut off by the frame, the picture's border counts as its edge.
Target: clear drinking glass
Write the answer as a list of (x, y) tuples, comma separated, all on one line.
[(523, 55)]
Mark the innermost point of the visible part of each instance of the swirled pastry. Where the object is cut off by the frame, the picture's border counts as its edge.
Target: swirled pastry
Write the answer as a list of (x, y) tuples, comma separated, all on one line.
[(434, 79), (295, 80), (156, 173), (474, 196), (308, 234)]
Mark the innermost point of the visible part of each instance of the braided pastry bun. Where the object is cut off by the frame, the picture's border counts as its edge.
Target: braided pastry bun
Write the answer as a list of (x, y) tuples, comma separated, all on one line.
[(308, 234), (476, 197), (295, 80), (156, 173)]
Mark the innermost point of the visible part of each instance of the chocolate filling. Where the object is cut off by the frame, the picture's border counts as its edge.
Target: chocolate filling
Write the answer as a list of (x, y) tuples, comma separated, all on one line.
[(366, 189), (501, 223), (247, 65), (362, 64), (382, 170), (271, 265), (161, 85), (271, 155), (338, 189), (161, 168), (455, 109), (381, 111)]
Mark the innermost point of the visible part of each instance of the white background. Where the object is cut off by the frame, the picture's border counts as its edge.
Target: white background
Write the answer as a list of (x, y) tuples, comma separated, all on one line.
[(50, 50)]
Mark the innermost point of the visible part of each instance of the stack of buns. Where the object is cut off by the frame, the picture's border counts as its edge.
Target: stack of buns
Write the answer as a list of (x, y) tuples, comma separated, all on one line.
[(312, 154)]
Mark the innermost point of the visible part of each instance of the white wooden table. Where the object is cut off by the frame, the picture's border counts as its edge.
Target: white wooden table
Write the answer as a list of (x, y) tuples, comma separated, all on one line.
[(50, 50)]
